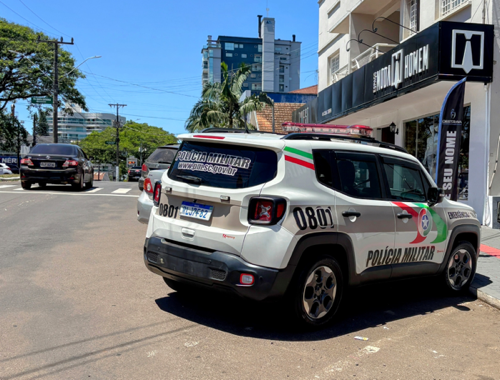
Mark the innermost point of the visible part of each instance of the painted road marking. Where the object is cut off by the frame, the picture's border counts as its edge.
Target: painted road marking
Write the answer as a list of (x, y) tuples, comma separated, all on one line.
[(68, 193), (4, 186), (121, 191), (490, 251), (94, 190)]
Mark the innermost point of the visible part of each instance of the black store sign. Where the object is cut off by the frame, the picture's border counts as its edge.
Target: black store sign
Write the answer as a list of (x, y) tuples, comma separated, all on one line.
[(443, 51)]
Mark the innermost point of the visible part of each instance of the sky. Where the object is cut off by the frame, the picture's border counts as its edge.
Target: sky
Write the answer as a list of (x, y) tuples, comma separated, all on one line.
[(151, 50)]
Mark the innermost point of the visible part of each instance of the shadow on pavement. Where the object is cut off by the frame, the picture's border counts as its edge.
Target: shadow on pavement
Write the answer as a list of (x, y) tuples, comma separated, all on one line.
[(480, 281), (362, 308)]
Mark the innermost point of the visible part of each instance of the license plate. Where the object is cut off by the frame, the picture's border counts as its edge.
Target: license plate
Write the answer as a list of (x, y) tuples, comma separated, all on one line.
[(196, 210), (47, 164)]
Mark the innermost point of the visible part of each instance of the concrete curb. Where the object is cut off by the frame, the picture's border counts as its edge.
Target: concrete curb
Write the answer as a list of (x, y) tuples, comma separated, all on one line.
[(479, 294), (10, 179)]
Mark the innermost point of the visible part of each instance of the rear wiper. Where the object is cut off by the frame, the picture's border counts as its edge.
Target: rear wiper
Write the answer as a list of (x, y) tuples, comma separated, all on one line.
[(191, 179)]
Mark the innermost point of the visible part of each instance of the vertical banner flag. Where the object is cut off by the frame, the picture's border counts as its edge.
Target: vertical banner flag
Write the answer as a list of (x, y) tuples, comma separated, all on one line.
[(449, 140)]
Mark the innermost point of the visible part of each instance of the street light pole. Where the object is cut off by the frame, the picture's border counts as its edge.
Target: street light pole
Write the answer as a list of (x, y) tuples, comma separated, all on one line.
[(117, 105)]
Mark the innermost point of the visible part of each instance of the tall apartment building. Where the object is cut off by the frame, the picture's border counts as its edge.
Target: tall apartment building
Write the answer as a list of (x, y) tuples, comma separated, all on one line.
[(389, 64), (73, 128), (275, 63)]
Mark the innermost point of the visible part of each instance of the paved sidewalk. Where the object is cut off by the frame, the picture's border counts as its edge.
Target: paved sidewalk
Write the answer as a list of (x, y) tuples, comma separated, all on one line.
[(486, 284)]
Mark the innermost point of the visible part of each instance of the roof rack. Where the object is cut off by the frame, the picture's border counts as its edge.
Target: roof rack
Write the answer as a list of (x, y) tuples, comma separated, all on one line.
[(329, 137), (234, 130)]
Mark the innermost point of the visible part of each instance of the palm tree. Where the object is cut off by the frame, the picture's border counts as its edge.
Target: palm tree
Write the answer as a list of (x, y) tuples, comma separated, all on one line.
[(220, 104)]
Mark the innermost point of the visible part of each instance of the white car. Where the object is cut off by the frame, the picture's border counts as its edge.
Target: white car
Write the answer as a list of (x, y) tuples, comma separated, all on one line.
[(4, 169), (304, 216), (145, 201)]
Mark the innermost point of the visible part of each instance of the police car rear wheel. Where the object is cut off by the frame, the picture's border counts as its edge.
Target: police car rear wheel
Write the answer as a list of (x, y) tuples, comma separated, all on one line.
[(320, 287), (461, 267)]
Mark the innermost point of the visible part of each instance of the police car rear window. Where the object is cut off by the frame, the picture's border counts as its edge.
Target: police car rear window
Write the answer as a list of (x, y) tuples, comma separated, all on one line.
[(223, 165)]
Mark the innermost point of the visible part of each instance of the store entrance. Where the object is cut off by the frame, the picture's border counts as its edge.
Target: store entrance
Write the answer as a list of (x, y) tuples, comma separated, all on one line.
[(387, 135)]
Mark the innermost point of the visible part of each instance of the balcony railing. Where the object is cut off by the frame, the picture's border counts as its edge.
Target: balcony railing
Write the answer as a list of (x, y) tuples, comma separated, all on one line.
[(370, 54), (339, 74)]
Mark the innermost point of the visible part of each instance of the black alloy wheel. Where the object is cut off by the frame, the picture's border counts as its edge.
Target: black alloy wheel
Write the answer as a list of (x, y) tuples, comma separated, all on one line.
[(90, 184), (80, 185), (461, 268), (316, 293)]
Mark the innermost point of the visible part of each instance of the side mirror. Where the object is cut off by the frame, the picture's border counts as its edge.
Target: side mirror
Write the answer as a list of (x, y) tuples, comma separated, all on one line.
[(434, 196)]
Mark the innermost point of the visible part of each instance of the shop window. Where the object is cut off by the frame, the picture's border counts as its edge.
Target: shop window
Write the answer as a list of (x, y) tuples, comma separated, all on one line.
[(421, 139)]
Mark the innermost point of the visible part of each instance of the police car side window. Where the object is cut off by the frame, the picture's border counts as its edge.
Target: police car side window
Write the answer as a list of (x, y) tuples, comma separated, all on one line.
[(358, 175), (405, 180), (323, 167)]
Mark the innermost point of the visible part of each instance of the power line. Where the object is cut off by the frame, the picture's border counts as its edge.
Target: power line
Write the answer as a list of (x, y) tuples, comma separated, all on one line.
[(24, 18), (21, 1)]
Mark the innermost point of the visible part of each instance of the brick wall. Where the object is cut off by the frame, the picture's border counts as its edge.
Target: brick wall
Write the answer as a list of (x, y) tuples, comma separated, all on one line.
[(282, 114)]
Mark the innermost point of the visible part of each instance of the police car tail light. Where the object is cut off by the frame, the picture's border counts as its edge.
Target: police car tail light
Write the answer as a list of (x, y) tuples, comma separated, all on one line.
[(268, 210), (148, 186), (144, 168), (247, 279), (157, 194), (70, 163)]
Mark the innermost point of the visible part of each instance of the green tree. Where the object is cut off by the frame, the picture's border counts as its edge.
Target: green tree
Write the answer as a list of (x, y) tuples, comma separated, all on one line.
[(30, 73), (12, 133), (220, 104), (133, 137), (42, 127)]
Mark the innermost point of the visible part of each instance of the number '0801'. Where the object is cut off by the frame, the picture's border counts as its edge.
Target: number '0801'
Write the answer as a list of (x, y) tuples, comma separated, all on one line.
[(166, 210), (313, 218)]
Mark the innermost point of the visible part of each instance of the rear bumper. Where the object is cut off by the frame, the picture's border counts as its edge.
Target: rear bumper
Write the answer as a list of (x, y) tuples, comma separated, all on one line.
[(212, 269), (144, 206), (69, 175)]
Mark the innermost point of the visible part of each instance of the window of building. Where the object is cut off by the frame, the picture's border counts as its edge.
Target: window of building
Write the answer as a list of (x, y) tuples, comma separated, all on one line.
[(229, 54), (277, 49), (243, 55), (256, 86), (334, 10), (245, 84), (229, 46), (241, 46), (282, 69), (448, 6), (282, 79), (259, 47), (256, 67), (282, 58), (411, 17), (257, 58), (333, 67), (282, 87), (421, 139), (253, 75)]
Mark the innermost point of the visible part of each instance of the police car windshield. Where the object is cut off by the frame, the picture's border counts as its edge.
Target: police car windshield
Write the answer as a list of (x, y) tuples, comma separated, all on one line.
[(223, 165)]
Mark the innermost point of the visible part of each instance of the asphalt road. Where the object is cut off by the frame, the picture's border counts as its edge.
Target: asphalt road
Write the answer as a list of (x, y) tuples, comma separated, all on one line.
[(77, 302)]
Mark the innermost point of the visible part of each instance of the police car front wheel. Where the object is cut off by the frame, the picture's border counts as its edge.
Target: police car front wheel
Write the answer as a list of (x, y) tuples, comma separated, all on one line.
[(461, 268)]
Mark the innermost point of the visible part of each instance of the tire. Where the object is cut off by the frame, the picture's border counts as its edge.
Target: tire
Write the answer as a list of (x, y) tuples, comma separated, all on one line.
[(25, 185), (90, 184), (460, 268), (317, 291), (175, 285), (80, 185)]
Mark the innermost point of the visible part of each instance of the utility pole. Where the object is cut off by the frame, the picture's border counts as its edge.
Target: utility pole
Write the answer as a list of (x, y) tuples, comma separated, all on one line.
[(117, 105), (56, 82), (35, 115)]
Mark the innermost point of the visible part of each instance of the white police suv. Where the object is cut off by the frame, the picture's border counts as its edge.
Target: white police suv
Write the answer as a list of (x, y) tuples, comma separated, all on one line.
[(303, 216)]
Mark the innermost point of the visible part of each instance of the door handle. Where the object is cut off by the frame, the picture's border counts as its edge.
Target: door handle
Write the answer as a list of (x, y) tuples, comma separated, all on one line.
[(405, 216), (348, 214)]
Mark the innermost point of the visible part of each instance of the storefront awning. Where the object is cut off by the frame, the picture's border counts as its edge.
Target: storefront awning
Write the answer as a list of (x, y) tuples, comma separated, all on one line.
[(445, 51)]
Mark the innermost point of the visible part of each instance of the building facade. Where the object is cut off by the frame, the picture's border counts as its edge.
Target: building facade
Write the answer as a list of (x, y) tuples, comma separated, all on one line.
[(75, 127), (275, 63), (389, 65)]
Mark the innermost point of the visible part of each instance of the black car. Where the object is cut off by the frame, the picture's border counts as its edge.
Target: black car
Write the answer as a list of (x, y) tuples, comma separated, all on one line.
[(56, 163), (161, 158), (134, 173)]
